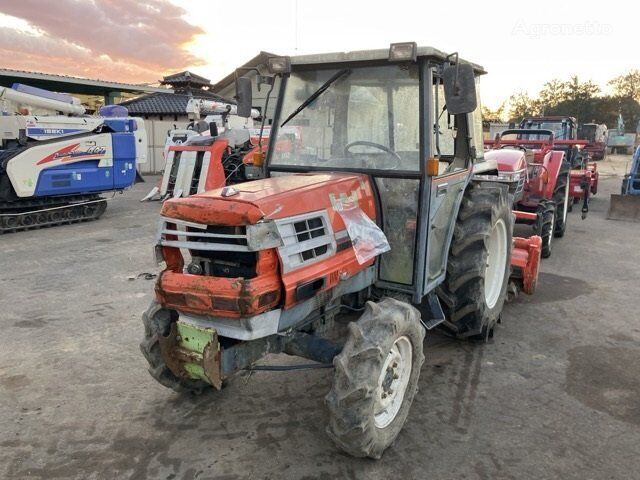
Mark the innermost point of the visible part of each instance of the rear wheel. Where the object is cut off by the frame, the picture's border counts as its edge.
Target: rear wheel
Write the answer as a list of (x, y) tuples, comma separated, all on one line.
[(561, 199), (157, 321), (478, 267), (545, 224), (376, 377)]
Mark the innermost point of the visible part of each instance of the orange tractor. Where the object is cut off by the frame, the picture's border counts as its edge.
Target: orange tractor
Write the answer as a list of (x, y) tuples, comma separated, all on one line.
[(364, 235)]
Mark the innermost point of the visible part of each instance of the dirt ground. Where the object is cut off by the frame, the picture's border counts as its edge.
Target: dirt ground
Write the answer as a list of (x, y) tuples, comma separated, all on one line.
[(554, 396)]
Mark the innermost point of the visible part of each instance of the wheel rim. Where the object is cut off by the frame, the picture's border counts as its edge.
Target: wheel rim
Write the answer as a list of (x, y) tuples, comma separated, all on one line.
[(496, 263), (393, 382), (565, 207)]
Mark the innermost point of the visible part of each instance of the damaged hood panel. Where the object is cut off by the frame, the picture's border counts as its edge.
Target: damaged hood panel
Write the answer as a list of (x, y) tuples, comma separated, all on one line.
[(273, 198)]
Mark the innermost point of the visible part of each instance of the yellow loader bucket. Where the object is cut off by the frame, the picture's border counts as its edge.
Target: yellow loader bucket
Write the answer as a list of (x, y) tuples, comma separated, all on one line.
[(624, 207)]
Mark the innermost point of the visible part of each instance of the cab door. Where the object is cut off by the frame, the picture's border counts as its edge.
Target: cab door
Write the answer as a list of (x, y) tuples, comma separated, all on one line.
[(446, 188), (457, 143), (445, 197)]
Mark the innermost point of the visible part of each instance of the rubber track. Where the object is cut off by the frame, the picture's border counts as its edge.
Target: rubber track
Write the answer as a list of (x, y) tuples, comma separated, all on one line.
[(49, 214)]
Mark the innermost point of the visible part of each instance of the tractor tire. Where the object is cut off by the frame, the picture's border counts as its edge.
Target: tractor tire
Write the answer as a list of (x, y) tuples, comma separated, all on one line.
[(376, 378), (562, 200), (545, 224), (475, 286), (157, 321)]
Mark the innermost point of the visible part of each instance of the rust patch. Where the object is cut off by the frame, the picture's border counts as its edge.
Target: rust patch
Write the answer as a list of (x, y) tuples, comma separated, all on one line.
[(175, 357), (211, 211)]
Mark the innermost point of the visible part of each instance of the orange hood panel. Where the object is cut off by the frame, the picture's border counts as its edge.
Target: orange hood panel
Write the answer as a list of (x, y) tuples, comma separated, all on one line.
[(273, 198)]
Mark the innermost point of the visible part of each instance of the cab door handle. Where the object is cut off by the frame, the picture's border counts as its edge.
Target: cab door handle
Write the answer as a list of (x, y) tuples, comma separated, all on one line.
[(442, 189)]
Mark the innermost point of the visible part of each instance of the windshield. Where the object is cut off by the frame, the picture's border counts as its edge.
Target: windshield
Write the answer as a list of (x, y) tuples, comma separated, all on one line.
[(363, 118), (588, 132), (561, 130)]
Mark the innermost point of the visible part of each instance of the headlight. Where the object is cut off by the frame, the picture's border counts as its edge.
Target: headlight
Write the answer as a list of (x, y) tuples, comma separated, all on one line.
[(263, 235), (403, 52), (510, 176), (279, 64)]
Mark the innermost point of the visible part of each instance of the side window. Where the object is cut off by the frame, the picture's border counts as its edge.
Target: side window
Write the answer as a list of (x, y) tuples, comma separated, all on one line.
[(444, 128), (476, 124)]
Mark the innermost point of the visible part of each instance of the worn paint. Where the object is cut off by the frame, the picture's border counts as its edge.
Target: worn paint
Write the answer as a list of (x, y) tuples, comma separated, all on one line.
[(190, 351), (230, 297)]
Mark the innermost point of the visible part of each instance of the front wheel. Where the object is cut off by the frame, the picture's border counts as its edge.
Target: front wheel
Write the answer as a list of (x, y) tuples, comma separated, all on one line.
[(376, 378), (157, 322)]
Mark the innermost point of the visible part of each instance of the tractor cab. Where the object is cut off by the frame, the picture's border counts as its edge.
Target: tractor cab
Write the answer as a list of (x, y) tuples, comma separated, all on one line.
[(367, 114), (563, 128), (565, 132)]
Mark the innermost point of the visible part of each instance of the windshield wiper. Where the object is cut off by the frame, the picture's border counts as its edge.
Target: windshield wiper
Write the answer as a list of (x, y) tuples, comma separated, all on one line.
[(317, 93)]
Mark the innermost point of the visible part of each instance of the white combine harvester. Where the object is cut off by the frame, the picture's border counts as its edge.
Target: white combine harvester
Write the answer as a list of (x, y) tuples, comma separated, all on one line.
[(55, 161)]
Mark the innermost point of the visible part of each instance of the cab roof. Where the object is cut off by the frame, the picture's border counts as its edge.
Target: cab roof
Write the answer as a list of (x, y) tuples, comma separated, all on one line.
[(371, 55)]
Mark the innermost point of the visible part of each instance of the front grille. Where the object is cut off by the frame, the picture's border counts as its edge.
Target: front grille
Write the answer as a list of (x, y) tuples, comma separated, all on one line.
[(214, 250), (310, 228), (517, 187), (306, 238), (199, 237)]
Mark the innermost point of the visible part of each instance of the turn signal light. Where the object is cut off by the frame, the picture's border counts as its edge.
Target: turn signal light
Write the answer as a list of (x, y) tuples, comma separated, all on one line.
[(258, 159), (433, 167)]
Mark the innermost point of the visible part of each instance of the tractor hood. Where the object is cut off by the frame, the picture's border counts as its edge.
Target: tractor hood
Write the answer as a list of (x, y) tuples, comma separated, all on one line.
[(273, 198), (508, 160)]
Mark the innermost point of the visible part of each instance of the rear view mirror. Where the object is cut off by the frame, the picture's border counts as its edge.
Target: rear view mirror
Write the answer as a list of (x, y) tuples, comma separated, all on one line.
[(244, 96), (459, 88)]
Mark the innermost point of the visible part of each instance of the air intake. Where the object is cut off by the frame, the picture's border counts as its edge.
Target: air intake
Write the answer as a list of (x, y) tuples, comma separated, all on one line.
[(306, 239)]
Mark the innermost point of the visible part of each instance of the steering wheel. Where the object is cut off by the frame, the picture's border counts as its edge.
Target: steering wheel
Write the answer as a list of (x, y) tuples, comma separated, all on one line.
[(364, 143), (520, 147)]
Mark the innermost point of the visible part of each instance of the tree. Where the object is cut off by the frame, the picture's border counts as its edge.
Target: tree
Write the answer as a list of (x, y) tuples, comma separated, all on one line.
[(493, 116), (601, 110), (627, 85), (522, 105), (553, 93), (581, 91)]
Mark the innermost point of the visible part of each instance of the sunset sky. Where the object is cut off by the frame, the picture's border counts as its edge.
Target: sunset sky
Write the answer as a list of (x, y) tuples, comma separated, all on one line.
[(522, 45)]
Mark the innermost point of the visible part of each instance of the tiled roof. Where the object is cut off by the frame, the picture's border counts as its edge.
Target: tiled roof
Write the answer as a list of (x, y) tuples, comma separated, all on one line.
[(166, 103), (32, 77), (185, 77)]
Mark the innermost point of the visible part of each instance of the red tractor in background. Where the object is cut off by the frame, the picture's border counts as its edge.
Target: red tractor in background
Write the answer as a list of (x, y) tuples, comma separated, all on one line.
[(538, 177), (584, 176)]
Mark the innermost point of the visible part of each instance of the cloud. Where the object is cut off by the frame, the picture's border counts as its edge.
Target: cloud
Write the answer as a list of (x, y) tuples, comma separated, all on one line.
[(24, 51), (119, 39)]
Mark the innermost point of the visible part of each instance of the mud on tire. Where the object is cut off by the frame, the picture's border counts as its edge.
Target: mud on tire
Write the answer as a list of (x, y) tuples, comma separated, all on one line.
[(364, 372), (463, 293), (157, 321)]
